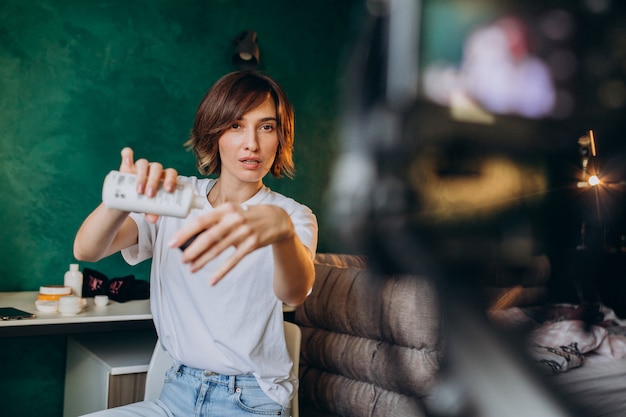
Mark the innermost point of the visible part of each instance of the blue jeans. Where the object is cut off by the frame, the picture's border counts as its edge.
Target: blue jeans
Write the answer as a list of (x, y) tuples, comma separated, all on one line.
[(193, 392)]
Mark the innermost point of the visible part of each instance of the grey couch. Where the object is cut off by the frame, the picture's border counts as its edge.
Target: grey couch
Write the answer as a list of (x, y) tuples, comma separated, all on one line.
[(371, 345)]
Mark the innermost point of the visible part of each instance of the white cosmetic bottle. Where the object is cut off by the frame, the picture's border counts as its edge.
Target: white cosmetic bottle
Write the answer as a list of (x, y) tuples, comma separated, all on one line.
[(119, 192), (74, 279)]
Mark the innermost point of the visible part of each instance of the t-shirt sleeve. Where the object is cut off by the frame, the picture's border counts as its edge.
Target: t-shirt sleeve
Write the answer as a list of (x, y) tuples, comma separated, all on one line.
[(306, 226), (144, 247)]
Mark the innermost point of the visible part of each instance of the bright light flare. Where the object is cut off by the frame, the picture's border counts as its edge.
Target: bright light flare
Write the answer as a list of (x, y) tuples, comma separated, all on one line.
[(593, 181)]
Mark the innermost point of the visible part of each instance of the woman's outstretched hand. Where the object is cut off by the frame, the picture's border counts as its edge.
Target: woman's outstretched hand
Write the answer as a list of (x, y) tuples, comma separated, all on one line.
[(246, 228)]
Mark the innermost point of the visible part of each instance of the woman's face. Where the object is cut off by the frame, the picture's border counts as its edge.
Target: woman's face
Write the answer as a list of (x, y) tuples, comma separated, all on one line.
[(248, 148)]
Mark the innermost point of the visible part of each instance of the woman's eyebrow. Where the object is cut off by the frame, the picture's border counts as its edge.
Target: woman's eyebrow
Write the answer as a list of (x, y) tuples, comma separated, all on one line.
[(263, 119)]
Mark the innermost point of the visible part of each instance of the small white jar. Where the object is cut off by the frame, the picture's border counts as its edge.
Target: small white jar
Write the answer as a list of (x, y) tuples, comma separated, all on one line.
[(70, 305), (101, 300)]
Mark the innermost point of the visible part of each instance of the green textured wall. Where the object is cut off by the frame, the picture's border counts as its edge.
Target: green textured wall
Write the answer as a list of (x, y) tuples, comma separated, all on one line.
[(81, 79)]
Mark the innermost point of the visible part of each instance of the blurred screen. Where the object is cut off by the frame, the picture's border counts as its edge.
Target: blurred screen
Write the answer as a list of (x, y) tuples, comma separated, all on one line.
[(554, 60)]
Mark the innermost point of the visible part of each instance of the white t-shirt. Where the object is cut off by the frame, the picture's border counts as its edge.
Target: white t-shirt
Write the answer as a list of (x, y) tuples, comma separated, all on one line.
[(236, 326)]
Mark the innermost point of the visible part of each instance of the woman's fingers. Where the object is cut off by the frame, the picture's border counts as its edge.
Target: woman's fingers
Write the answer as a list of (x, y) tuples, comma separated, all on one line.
[(128, 158), (229, 225), (153, 181), (170, 176), (212, 234), (150, 176), (213, 243)]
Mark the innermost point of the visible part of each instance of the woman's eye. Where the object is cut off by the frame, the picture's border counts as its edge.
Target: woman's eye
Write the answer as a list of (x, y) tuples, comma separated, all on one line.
[(235, 126), (267, 128)]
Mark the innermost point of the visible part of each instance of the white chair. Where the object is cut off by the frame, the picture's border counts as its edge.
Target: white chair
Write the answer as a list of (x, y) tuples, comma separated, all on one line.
[(161, 362), (293, 338)]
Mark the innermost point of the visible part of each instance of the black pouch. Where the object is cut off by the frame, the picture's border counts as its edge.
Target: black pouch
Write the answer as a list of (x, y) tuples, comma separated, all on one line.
[(118, 289), (94, 283)]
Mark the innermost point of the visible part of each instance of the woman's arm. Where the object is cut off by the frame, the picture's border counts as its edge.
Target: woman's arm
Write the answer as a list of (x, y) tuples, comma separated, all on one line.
[(104, 232), (294, 271), (107, 231)]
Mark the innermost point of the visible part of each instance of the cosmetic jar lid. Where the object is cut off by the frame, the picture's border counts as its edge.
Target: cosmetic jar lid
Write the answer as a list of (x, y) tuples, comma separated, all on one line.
[(55, 290), (69, 300), (46, 306)]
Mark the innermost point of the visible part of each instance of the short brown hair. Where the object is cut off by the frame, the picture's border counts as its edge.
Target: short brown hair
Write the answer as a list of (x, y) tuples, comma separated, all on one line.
[(228, 100)]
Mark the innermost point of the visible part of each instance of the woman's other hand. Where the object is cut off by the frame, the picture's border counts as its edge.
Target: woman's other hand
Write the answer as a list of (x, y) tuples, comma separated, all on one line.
[(246, 228)]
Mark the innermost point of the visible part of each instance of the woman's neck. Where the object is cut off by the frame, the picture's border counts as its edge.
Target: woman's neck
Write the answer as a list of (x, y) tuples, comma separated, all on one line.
[(222, 192)]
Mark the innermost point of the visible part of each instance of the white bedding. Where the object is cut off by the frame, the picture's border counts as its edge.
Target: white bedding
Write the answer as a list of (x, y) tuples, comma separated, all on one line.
[(584, 350), (599, 386)]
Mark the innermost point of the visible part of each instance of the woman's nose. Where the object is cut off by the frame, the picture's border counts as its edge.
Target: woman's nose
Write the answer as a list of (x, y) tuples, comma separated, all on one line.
[(251, 141)]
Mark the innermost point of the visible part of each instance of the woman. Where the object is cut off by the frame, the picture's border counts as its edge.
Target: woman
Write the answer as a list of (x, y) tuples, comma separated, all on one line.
[(217, 304)]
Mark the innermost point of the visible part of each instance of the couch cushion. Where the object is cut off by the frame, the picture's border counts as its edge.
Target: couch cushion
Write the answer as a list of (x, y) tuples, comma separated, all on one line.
[(407, 371), (370, 343), (401, 310), (336, 395), (340, 260)]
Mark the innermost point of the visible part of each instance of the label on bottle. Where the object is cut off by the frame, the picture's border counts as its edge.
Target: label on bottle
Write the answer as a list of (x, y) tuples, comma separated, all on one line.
[(119, 192)]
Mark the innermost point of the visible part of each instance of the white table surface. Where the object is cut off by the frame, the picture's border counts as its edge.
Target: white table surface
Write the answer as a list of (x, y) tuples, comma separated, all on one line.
[(135, 311), (114, 312)]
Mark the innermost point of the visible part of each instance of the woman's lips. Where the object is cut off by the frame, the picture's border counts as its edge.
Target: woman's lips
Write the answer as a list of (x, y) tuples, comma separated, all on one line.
[(250, 163)]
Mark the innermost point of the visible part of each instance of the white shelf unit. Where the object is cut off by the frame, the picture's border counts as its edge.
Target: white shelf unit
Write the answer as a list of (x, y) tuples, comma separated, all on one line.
[(106, 370)]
